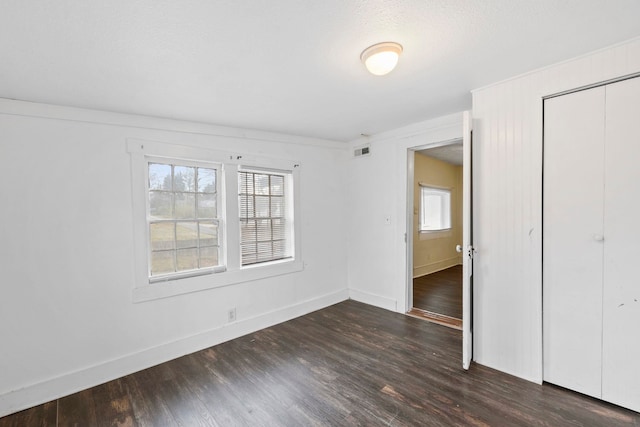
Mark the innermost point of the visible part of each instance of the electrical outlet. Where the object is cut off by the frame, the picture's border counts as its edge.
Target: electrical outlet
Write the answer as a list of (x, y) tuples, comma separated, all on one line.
[(232, 315)]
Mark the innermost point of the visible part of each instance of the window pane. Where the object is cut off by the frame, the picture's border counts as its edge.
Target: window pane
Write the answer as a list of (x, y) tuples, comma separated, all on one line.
[(159, 176), (206, 205), (206, 180), (446, 211), (433, 212), (277, 207), (278, 229), (159, 205), (265, 252), (279, 249), (435, 209), (185, 205), (208, 234), (162, 236), (162, 262), (261, 184), (248, 231), (262, 206), (178, 196), (187, 259), (264, 230), (246, 207), (184, 179), (249, 254), (208, 257), (277, 185), (246, 183), (186, 235)]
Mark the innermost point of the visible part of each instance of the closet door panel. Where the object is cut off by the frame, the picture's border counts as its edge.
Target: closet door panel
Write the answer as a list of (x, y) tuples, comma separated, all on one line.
[(572, 221), (621, 297)]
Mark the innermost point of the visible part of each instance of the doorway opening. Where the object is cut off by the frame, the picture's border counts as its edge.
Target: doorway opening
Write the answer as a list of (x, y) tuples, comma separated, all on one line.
[(436, 179)]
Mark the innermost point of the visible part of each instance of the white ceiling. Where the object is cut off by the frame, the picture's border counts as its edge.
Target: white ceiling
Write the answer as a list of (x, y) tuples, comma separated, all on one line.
[(451, 153), (289, 66)]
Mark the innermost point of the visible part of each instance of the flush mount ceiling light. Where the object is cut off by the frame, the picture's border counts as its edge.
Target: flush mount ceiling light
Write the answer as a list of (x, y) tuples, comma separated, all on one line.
[(381, 58)]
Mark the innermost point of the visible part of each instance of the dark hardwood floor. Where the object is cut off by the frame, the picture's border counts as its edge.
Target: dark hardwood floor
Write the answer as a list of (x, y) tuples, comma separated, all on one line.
[(440, 292), (347, 365)]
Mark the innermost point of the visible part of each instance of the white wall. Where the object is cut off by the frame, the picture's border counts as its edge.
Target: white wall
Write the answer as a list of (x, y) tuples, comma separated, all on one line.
[(377, 189), (507, 122), (67, 320)]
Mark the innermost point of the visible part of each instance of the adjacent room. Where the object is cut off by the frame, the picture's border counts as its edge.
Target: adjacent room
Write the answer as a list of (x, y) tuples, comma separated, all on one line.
[(319, 213), (437, 234)]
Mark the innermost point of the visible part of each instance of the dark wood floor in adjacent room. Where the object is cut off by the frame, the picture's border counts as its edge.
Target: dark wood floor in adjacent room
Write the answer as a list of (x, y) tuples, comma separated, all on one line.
[(347, 365), (440, 292)]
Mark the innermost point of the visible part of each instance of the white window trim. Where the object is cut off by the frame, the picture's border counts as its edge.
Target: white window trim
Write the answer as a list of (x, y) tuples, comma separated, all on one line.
[(140, 151)]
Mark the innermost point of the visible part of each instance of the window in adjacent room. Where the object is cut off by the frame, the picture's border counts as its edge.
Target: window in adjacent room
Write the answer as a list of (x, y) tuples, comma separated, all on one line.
[(265, 216), (182, 217), (435, 209)]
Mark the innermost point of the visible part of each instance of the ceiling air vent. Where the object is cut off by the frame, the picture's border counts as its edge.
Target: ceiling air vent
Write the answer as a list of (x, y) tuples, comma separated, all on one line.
[(365, 150)]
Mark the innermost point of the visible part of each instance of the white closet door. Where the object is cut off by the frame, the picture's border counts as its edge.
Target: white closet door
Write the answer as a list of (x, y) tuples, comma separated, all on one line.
[(621, 298), (573, 223)]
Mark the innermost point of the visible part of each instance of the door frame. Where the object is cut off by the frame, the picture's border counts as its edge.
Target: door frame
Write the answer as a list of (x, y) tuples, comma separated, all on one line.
[(467, 230), (409, 212)]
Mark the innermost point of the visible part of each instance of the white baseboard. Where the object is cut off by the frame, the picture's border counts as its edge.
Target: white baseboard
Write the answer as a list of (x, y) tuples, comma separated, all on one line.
[(372, 299), (73, 382), (535, 378), (423, 270)]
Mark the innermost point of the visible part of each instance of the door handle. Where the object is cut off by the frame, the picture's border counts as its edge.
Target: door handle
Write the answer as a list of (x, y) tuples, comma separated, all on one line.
[(598, 237), (470, 250)]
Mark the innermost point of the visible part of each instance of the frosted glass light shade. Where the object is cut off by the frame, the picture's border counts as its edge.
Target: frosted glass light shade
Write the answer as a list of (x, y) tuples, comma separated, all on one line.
[(381, 58)]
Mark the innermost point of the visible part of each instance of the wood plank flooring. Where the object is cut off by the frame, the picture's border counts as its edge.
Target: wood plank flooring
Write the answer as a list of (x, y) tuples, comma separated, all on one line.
[(440, 292), (347, 365)]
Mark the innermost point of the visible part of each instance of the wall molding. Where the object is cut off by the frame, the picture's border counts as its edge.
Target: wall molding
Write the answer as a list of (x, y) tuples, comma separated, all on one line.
[(373, 299), (84, 115), (82, 379), (556, 65), (412, 130)]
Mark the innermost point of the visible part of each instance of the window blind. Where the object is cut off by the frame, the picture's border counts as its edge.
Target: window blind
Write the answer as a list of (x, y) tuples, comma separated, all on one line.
[(263, 220)]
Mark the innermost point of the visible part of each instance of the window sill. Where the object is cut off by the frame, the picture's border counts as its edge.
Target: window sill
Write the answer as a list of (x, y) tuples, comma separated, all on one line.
[(187, 285), (440, 234)]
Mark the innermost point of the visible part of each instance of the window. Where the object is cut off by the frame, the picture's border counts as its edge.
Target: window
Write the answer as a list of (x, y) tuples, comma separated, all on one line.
[(435, 209), (182, 218), (193, 229), (265, 228)]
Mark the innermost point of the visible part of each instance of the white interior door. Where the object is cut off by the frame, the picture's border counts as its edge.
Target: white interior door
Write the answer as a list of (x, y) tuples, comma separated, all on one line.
[(621, 296), (467, 245), (574, 127)]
